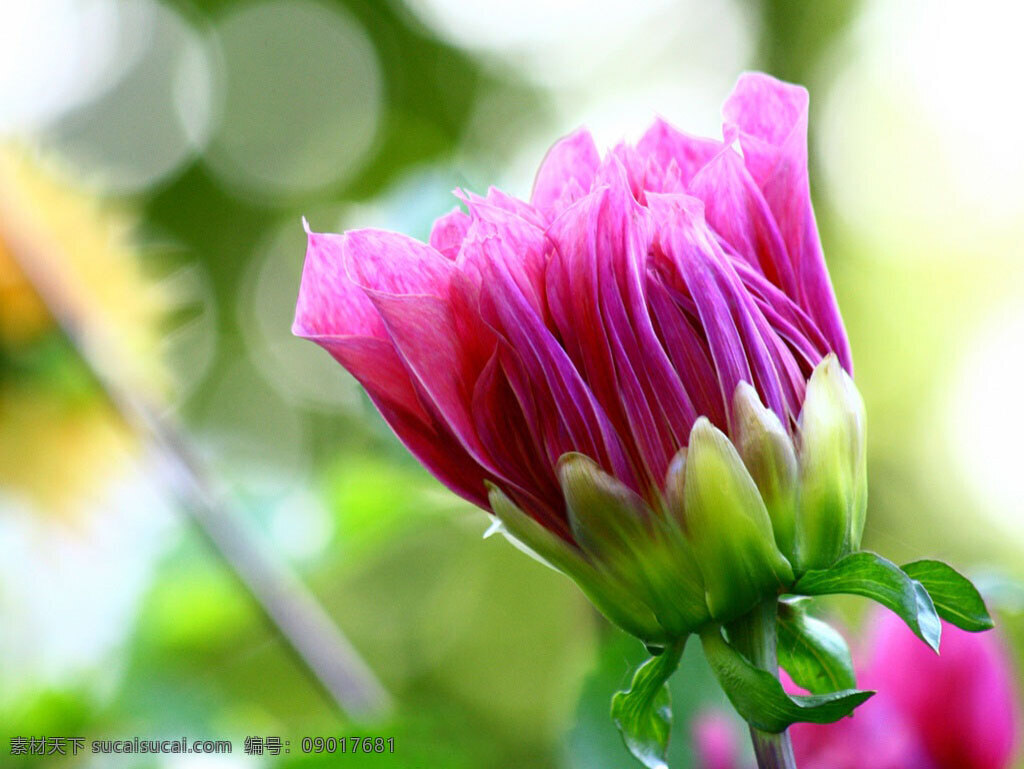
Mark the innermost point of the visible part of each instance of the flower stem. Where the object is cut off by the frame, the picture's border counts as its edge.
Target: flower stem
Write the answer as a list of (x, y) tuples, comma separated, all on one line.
[(754, 636)]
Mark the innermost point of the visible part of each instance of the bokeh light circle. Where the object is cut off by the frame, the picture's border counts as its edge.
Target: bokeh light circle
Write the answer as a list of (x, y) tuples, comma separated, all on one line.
[(597, 45), (302, 98), (45, 85), (984, 419), (252, 439), (156, 113), (911, 131), (301, 526)]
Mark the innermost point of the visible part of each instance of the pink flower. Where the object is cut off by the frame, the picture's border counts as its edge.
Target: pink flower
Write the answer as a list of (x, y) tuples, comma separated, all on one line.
[(954, 711), (628, 298), (714, 734), (962, 705), (879, 734)]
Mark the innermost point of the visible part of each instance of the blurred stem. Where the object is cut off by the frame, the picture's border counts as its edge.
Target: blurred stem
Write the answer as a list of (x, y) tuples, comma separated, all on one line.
[(754, 636), (290, 606)]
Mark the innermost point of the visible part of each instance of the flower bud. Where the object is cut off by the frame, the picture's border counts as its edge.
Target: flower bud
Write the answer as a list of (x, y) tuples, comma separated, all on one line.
[(833, 467), (727, 525), (767, 451), (625, 539)]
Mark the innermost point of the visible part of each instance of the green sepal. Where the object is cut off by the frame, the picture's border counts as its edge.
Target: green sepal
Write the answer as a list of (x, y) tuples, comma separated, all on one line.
[(610, 599), (643, 712), (759, 698), (869, 575), (728, 527), (833, 467), (814, 653), (956, 598), (620, 534), (767, 450)]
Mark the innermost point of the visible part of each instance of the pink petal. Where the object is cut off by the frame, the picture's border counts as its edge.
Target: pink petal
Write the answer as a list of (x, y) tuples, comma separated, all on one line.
[(410, 284), (497, 233), (574, 158), (329, 303), (688, 352), (716, 741), (633, 167), (337, 315), (771, 119), (508, 435), (539, 371), (673, 157), (876, 735), (785, 316), (735, 207), (390, 263), (735, 330), (514, 205), (596, 292), (448, 232), (377, 367)]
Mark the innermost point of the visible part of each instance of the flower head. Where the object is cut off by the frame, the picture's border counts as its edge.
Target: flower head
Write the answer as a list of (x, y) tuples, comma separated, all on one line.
[(618, 369)]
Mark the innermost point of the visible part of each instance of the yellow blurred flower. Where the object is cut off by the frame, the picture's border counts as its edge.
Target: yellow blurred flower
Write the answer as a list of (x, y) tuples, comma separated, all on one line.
[(23, 316), (60, 440), (56, 455)]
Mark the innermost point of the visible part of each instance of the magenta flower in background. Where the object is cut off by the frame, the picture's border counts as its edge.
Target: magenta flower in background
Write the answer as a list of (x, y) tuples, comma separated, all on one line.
[(962, 704), (714, 739), (954, 711)]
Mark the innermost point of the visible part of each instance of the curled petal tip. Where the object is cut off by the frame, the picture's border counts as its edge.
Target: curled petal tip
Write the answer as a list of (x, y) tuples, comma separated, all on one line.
[(703, 428), (496, 527), (746, 394), (572, 460)]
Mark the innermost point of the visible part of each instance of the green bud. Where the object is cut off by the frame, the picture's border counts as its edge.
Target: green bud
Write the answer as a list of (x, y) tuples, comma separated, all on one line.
[(833, 467), (767, 451), (617, 604), (728, 527), (637, 548)]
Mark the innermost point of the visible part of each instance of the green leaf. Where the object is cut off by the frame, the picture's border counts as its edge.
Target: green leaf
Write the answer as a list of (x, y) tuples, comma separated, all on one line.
[(813, 652), (643, 713), (956, 599), (760, 699), (869, 575)]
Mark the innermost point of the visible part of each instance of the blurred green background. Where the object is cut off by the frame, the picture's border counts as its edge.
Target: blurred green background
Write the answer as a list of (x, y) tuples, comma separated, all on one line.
[(208, 130)]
